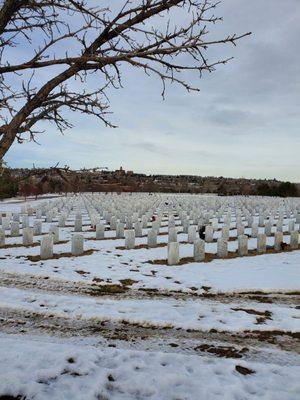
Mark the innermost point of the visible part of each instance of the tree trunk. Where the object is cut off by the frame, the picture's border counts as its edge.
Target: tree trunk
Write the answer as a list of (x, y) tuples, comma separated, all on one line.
[(6, 141), (9, 8)]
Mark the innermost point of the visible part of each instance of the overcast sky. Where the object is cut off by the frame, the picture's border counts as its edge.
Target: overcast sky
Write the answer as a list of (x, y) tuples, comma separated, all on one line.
[(244, 122)]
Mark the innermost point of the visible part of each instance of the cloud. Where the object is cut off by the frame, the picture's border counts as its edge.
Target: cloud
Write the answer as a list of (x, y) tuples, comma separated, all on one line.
[(233, 117), (245, 116), (152, 148)]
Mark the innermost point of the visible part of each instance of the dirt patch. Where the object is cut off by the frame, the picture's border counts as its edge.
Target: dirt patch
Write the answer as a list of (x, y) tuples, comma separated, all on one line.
[(244, 370), (144, 246), (223, 351), (127, 282), (271, 336), (261, 299), (294, 293), (206, 288), (98, 280), (267, 314), (263, 315), (100, 290), (59, 255), (16, 245), (81, 272)]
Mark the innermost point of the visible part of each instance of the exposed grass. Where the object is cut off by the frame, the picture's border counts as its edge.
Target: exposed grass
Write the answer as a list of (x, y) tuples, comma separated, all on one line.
[(244, 370), (223, 351), (263, 316), (36, 244), (127, 282), (57, 256), (100, 290)]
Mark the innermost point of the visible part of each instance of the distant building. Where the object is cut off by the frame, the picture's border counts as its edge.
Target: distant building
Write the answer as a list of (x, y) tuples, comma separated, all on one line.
[(120, 172)]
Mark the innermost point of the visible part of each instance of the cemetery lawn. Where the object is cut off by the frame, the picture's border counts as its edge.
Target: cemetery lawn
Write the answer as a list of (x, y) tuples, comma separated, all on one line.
[(113, 324)]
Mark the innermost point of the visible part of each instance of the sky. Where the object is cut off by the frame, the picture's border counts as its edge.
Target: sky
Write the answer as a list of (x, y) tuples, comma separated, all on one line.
[(244, 122)]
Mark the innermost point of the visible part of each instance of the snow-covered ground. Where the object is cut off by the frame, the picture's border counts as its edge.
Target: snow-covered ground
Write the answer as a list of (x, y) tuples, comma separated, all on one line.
[(14, 204), (136, 328), (50, 369), (186, 314)]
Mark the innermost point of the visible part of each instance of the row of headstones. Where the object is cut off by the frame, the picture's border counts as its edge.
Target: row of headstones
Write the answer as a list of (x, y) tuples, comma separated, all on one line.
[(47, 242), (152, 234), (12, 221), (192, 201), (222, 247), (44, 209), (188, 203), (66, 206), (119, 226), (107, 208), (115, 224), (28, 233), (112, 220)]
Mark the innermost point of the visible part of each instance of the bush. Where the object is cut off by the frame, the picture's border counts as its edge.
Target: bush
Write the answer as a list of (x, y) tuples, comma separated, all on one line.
[(8, 185), (284, 189)]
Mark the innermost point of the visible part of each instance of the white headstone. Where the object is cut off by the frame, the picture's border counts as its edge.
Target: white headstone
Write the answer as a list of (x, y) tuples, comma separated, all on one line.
[(78, 224), (62, 220), (54, 230), (199, 250), (113, 223), (5, 223), (138, 229), (209, 234), (268, 228), (254, 230), (37, 228), (129, 239), (27, 236), (225, 233), (222, 248), (46, 250), (261, 243), (279, 225), (192, 232), (215, 224), (144, 222), (152, 238), (261, 220), (185, 226), (120, 230), (291, 226), (172, 237), (294, 242), (100, 231), (242, 245), (49, 216), (14, 228), (77, 244), (173, 253), (2, 238), (16, 217), (240, 229), (278, 239)]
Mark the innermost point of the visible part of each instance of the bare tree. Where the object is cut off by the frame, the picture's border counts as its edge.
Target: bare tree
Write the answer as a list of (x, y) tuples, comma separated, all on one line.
[(49, 49)]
